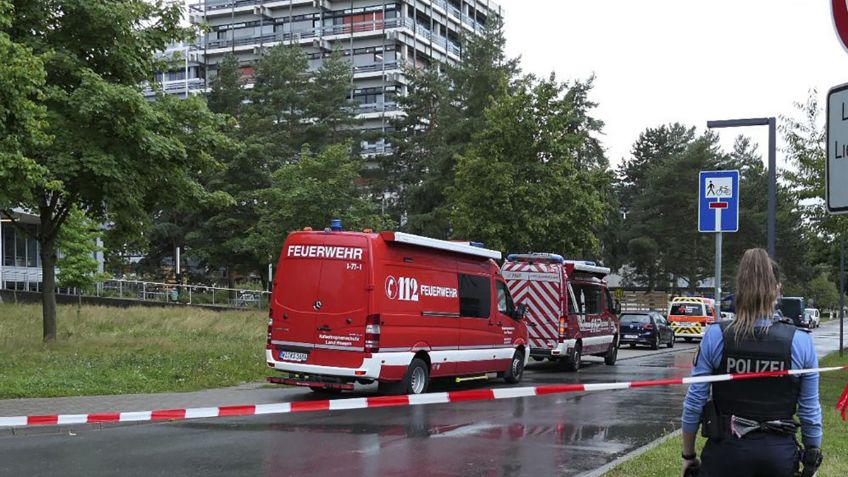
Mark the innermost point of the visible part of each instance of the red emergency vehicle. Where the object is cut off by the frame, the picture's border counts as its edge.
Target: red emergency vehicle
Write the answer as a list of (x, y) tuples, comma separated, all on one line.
[(570, 312), (392, 308)]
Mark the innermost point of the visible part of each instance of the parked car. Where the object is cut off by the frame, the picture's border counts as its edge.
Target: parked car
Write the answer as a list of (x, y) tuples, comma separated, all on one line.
[(647, 328), (570, 311), (792, 308), (812, 317), (392, 308)]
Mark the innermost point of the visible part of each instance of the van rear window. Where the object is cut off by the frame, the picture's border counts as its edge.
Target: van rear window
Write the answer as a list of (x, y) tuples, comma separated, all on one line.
[(687, 309), (475, 296)]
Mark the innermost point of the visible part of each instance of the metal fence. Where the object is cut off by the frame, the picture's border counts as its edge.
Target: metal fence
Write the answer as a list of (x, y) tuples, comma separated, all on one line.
[(186, 294)]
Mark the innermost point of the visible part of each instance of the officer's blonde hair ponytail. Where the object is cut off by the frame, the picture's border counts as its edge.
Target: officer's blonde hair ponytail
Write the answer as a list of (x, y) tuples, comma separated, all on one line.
[(756, 291)]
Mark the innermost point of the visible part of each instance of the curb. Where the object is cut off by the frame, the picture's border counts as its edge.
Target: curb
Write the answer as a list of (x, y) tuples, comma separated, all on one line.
[(10, 432), (600, 471)]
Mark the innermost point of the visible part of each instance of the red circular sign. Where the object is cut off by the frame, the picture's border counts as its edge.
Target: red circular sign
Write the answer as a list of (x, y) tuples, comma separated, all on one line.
[(840, 20)]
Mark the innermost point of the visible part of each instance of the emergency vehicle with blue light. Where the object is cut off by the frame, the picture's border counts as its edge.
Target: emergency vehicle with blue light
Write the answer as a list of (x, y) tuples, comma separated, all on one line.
[(570, 312), (390, 308)]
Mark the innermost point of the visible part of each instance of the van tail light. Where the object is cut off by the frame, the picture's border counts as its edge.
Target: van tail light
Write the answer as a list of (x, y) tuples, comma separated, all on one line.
[(372, 334), (562, 329), (270, 323), (648, 327)]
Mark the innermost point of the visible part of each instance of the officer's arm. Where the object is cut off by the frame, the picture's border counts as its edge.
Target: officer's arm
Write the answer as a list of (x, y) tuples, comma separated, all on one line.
[(809, 406), (707, 360)]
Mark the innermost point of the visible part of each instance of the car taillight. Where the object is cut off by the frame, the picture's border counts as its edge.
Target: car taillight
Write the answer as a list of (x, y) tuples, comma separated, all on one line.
[(372, 334), (648, 327)]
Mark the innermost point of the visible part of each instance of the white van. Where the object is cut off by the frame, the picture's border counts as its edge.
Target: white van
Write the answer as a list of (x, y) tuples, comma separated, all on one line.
[(812, 317)]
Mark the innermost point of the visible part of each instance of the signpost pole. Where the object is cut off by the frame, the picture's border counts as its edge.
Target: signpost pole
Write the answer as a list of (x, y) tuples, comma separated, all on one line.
[(772, 188), (718, 271)]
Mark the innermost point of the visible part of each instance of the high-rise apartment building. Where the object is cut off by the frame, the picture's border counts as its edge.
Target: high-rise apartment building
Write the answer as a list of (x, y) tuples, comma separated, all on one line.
[(379, 37)]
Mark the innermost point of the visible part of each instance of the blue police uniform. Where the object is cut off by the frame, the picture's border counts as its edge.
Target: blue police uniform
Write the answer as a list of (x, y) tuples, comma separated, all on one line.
[(758, 453)]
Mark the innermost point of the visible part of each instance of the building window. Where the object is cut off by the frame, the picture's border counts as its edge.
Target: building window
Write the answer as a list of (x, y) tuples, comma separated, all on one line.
[(475, 296), (20, 249), (8, 245)]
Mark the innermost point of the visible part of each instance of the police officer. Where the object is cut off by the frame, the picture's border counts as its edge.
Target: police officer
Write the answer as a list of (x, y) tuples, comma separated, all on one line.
[(750, 423)]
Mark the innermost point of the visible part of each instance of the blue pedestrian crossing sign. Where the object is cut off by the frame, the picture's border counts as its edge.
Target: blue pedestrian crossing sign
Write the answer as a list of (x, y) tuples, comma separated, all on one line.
[(718, 203)]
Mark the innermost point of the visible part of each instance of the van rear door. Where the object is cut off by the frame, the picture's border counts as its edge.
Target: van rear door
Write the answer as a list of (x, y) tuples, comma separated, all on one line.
[(539, 287), (296, 293), (342, 301)]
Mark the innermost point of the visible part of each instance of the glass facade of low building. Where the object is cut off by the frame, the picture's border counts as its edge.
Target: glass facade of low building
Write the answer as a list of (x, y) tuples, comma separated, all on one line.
[(20, 258)]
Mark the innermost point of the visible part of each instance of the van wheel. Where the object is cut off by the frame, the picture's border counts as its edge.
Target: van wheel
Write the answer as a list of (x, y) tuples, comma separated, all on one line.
[(516, 368), (416, 380), (612, 354), (572, 363)]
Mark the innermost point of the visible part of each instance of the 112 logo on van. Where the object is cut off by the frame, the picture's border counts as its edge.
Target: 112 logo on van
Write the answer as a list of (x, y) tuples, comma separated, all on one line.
[(407, 289), (403, 289)]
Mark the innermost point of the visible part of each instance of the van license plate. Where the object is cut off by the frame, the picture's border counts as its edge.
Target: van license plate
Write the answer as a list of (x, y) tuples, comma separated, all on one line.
[(630, 337), (293, 356)]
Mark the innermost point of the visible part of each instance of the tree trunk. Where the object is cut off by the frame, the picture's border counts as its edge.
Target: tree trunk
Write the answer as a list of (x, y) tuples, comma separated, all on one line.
[(48, 283)]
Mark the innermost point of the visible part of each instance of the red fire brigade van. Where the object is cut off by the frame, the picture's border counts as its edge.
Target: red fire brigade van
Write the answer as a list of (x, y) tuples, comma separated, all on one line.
[(570, 312), (392, 308)]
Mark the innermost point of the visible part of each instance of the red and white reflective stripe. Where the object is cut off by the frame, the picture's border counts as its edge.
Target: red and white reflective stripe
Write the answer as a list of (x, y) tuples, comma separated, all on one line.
[(380, 401)]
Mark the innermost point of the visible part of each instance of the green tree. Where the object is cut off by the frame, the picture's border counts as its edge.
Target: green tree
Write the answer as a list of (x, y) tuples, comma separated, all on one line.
[(328, 107), (421, 147), (445, 110), (288, 108), (309, 193), (822, 292), (226, 95), (22, 79), (804, 136), (78, 244), (657, 151), (113, 154), (522, 186)]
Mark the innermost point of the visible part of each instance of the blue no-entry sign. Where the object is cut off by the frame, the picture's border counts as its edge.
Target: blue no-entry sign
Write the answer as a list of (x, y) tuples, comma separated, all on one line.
[(718, 197)]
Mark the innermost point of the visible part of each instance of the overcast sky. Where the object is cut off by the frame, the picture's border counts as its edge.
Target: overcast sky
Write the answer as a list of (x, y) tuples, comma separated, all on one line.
[(660, 61)]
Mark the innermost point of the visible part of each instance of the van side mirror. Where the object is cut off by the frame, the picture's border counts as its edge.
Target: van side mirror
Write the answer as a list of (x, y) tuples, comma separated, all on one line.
[(519, 312), (617, 307)]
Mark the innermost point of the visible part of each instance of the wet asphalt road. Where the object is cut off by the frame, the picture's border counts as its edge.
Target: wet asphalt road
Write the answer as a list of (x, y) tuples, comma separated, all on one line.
[(550, 435)]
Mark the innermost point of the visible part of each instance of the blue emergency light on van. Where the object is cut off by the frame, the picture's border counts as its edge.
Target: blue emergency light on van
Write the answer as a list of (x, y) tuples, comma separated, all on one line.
[(336, 225), (552, 257)]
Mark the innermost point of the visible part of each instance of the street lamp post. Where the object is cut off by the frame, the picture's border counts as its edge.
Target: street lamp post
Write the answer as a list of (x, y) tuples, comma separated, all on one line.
[(772, 167)]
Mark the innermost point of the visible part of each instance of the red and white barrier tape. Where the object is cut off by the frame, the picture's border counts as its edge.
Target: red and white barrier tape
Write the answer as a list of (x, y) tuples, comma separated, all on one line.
[(381, 401)]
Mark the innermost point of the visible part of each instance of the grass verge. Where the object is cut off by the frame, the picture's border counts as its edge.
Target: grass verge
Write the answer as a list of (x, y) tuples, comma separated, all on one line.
[(133, 350), (665, 458)]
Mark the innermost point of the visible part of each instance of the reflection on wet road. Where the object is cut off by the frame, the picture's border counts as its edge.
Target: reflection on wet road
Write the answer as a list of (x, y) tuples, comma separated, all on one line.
[(550, 435)]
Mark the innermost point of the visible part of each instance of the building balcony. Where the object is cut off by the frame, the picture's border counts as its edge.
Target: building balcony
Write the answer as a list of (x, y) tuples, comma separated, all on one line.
[(370, 108), (378, 149), (192, 85), (375, 27)]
